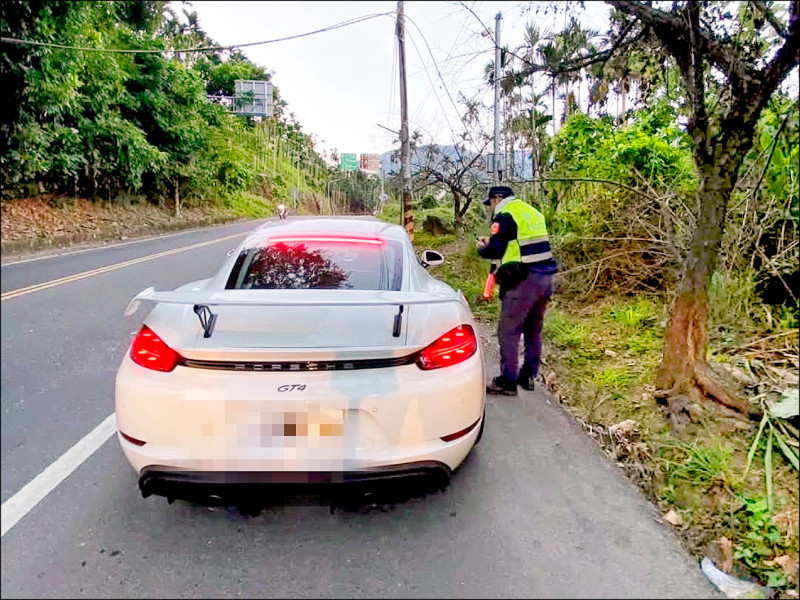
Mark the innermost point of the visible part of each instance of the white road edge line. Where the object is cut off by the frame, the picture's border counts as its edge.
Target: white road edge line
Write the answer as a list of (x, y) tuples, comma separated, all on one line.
[(21, 503)]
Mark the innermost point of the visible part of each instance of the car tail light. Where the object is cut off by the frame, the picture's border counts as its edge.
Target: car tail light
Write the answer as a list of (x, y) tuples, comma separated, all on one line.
[(150, 351), (327, 239), (453, 347)]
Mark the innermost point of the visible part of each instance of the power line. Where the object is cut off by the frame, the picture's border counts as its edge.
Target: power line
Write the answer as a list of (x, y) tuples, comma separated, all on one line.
[(449, 57), (433, 87), (10, 40), (457, 39), (444, 84)]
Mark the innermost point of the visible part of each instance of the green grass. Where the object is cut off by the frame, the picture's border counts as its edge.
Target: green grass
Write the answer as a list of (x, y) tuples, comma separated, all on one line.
[(697, 463), (634, 314), (424, 240), (605, 358), (786, 317), (564, 331), (250, 206), (732, 300), (617, 377), (761, 540), (645, 342)]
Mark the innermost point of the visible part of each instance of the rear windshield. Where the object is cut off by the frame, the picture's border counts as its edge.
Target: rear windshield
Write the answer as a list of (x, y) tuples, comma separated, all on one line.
[(324, 265)]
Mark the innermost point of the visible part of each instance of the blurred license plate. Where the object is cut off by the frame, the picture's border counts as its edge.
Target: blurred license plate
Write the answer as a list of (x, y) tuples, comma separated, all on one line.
[(323, 423), (274, 427)]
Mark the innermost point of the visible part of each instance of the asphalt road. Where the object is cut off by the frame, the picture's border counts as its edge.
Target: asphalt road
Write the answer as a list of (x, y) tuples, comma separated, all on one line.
[(535, 511)]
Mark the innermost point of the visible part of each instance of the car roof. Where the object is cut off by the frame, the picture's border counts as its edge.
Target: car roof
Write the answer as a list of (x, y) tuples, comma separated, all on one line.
[(329, 225)]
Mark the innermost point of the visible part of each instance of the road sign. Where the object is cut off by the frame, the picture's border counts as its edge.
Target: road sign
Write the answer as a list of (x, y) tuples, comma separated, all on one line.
[(371, 162), (384, 197), (348, 162), (253, 98)]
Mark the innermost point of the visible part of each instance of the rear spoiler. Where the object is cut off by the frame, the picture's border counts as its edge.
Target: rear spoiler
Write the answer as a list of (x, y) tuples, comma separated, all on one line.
[(201, 300), (260, 298)]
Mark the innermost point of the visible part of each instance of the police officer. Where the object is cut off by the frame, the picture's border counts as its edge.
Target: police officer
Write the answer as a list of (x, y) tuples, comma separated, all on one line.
[(519, 241)]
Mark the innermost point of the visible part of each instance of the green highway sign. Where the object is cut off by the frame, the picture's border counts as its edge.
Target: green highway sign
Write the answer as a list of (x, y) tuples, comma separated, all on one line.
[(348, 162)]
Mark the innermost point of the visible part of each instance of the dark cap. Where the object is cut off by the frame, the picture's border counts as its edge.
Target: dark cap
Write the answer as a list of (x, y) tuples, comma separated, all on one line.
[(498, 190)]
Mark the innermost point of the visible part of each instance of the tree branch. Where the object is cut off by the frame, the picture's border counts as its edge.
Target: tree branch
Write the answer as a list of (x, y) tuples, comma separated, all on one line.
[(787, 56), (581, 62), (688, 43), (672, 31), (592, 180), (752, 92), (770, 17)]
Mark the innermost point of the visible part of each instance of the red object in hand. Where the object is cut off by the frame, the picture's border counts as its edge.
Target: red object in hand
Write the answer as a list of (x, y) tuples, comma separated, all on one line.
[(488, 287)]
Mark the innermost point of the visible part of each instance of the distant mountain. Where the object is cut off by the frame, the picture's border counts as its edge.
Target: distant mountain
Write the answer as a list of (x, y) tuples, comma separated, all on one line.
[(418, 157), (522, 161)]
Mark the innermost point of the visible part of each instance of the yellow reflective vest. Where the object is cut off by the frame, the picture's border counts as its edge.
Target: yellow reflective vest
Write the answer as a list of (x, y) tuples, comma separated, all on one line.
[(533, 243)]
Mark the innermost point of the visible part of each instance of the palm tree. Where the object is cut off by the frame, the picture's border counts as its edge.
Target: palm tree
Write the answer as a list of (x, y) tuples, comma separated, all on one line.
[(566, 47), (551, 52), (533, 52)]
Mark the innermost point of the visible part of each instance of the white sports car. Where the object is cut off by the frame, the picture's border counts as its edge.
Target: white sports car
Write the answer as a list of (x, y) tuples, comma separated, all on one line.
[(322, 351)]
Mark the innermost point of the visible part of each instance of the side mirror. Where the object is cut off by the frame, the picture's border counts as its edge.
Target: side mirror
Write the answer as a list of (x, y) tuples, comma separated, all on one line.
[(431, 258)]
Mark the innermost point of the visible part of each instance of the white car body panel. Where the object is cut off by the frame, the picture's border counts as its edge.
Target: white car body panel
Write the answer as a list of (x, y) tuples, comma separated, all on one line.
[(383, 423), (204, 419)]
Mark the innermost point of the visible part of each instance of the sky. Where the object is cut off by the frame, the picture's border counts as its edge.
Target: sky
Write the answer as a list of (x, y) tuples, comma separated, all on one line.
[(342, 84)]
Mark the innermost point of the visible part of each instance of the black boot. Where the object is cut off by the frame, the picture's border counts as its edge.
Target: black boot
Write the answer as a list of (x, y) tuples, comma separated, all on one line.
[(502, 386), (525, 379)]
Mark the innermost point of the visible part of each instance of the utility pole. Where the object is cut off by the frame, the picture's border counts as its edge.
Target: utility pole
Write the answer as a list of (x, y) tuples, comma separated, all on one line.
[(498, 174), (383, 191), (405, 151)]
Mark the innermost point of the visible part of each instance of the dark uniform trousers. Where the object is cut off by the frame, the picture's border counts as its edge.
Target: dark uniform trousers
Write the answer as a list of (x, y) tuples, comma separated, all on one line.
[(521, 314)]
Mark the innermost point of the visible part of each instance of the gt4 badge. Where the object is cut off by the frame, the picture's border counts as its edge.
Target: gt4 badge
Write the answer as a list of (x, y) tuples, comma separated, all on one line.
[(294, 387)]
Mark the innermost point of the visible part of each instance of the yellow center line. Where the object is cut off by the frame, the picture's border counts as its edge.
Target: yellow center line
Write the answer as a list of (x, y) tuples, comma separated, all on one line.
[(48, 284)]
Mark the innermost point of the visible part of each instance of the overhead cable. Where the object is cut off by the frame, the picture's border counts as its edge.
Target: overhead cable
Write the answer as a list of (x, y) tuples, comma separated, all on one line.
[(444, 84), (10, 40), (433, 87)]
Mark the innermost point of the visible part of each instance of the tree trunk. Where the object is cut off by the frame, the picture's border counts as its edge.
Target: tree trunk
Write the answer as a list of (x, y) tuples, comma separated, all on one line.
[(177, 200), (719, 149), (684, 369), (457, 216)]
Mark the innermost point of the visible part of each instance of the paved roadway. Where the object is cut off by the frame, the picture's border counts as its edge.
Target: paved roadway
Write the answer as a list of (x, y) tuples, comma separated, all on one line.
[(535, 511)]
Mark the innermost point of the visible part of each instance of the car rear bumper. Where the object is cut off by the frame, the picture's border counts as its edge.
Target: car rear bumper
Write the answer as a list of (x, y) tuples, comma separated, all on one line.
[(248, 485), (315, 463), (196, 420)]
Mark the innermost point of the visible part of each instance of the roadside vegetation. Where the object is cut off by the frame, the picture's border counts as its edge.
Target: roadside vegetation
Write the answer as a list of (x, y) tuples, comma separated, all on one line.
[(727, 487), (142, 129)]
